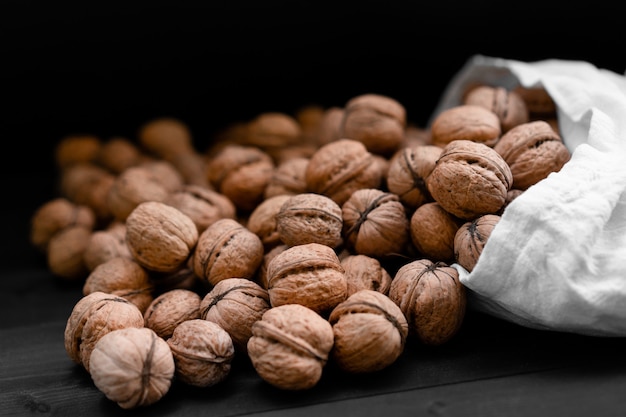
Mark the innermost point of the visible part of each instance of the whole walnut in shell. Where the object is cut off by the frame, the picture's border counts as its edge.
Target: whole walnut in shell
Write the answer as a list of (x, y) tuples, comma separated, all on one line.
[(370, 332), (235, 304), (288, 178), (508, 105), (106, 244), (160, 237), (432, 299), (203, 352), (290, 346), (171, 308), (309, 218), (466, 122), (375, 223), (340, 167), (532, 150), (471, 238), (65, 253), (365, 273), (262, 221), (203, 205), (310, 275), (470, 179), (133, 367), (432, 231), (273, 131)]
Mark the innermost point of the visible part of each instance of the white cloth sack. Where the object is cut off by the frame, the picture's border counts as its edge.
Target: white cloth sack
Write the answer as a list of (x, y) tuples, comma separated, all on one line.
[(557, 258)]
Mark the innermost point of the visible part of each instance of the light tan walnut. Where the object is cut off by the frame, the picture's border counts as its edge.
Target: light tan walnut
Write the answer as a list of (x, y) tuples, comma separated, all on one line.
[(203, 205), (65, 253), (432, 231), (370, 332), (508, 105), (290, 347), (466, 122), (365, 273), (262, 221), (106, 244), (132, 367), (471, 239), (171, 308), (432, 299)]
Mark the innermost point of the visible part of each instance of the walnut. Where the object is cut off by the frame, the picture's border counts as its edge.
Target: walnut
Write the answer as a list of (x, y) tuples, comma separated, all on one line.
[(118, 154), (432, 299), (262, 221), (203, 205), (508, 105), (375, 120), (133, 367), (538, 102), (88, 184), (261, 276), (532, 150), (65, 253), (432, 231), (370, 332), (288, 178), (329, 128), (235, 304), (227, 249), (273, 131), (122, 277), (308, 218), (165, 173), (171, 308), (160, 237), (54, 216), (375, 223), (290, 347), (106, 244), (466, 122), (340, 167), (241, 173), (93, 316), (470, 179), (310, 275), (471, 238), (203, 352), (365, 273), (77, 149), (407, 174), (166, 137)]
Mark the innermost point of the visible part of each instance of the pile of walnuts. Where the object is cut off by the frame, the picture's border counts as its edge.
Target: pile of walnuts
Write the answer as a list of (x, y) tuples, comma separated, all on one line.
[(293, 240)]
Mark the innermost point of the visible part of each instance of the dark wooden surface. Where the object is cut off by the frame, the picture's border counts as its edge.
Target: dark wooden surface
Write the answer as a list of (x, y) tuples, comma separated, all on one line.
[(104, 69)]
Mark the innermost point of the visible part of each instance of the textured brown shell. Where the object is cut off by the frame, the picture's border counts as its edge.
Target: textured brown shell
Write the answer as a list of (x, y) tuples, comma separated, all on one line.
[(262, 220), (160, 237), (171, 308), (235, 304), (203, 352), (508, 105), (132, 367), (65, 253), (532, 150), (432, 299), (165, 137), (339, 168), (309, 218), (106, 244), (273, 130), (203, 205), (370, 332), (470, 179), (407, 174), (309, 274), (432, 231), (375, 223), (290, 346), (288, 178), (365, 273), (466, 122), (375, 120), (227, 249), (471, 238)]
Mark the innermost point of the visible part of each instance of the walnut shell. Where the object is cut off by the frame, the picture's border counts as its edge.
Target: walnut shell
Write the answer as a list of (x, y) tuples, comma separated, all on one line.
[(375, 120), (203, 352), (290, 346), (339, 168), (227, 249), (203, 205), (122, 277), (165, 137), (470, 179), (89, 185), (93, 316), (471, 238), (133, 367), (365, 273), (432, 231), (538, 102), (160, 237), (106, 244), (54, 216), (508, 105), (309, 218), (271, 131), (65, 253), (532, 150), (329, 128), (407, 174), (171, 308), (375, 223), (310, 275), (77, 149), (466, 122), (118, 154), (432, 299), (235, 304), (370, 332), (288, 178), (262, 220)]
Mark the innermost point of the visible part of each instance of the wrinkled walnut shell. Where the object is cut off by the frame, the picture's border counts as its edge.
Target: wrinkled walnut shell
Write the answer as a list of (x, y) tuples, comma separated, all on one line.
[(432, 299), (507, 105), (203, 205), (471, 238), (171, 308), (365, 273), (466, 122), (432, 231)]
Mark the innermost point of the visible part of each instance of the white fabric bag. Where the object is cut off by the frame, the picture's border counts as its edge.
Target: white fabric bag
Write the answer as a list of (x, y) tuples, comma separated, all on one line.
[(557, 258)]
